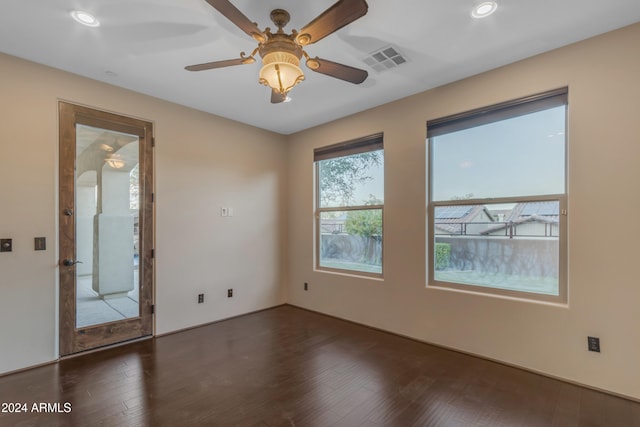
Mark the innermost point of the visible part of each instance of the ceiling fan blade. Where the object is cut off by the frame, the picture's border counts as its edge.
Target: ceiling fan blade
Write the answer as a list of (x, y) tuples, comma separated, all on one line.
[(339, 71), (232, 13), (215, 64), (337, 16), (277, 97)]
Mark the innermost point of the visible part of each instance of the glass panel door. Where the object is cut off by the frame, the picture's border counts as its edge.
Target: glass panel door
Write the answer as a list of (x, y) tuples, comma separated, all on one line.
[(106, 233)]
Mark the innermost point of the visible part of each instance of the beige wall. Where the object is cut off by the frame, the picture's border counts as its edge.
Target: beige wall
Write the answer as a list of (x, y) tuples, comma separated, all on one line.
[(603, 176), (202, 163)]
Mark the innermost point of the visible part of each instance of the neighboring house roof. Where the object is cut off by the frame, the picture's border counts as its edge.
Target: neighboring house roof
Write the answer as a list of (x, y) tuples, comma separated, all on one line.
[(449, 218), (547, 209), (547, 212)]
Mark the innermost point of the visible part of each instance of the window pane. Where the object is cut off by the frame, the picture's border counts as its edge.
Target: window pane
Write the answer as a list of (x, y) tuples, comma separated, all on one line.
[(354, 180), (505, 246), (520, 156), (351, 240)]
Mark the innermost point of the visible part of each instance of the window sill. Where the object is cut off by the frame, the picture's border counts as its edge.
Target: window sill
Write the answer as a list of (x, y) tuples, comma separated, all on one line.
[(534, 300), (350, 273)]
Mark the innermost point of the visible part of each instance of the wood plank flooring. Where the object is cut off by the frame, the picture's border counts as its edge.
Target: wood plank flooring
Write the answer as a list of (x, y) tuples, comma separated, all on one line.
[(291, 367)]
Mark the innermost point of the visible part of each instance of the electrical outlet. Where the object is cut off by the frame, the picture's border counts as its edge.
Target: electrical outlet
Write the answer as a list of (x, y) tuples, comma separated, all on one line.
[(229, 293), (6, 245), (40, 243), (200, 298), (593, 344), (306, 286)]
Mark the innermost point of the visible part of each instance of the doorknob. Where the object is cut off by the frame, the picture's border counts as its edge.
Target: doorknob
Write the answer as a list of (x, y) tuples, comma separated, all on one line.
[(70, 262)]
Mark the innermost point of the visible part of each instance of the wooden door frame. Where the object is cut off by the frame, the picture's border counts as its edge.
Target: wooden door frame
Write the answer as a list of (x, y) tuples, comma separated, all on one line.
[(72, 339)]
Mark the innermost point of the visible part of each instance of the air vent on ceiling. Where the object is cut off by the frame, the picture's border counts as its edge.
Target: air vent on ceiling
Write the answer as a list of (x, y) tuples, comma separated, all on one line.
[(385, 59)]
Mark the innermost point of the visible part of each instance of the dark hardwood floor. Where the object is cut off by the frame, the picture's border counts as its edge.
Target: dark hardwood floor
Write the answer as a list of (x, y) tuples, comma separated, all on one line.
[(291, 367)]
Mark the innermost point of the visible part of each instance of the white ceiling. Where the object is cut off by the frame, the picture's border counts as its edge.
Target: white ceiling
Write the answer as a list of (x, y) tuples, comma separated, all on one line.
[(143, 45)]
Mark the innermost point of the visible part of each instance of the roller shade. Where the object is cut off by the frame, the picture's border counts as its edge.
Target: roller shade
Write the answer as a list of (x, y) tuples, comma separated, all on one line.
[(348, 148), (497, 112)]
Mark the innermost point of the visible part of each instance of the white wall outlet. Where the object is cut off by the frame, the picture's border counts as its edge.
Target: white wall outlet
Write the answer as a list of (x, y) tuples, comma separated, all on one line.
[(224, 211)]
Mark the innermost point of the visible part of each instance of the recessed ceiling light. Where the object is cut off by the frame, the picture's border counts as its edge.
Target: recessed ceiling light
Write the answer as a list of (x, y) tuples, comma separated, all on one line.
[(85, 18), (484, 9)]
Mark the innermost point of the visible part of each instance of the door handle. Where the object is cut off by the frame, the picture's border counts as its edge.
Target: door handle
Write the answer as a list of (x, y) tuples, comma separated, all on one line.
[(70, 262)]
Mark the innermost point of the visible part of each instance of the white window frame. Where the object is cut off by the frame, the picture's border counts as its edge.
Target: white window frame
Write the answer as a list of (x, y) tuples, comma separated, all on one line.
[(343, 149), (478, 117)]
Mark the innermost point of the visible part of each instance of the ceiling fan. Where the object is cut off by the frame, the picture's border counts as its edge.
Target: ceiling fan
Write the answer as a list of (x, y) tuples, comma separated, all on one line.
[(281, 52)]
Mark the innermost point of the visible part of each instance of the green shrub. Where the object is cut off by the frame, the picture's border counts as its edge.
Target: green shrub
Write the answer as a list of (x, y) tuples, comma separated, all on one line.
[(443, 253)]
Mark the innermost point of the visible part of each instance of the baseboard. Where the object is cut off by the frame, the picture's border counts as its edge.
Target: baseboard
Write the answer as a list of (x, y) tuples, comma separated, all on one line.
[(202, 325), (479, 356), (28, 368), (105, 347)]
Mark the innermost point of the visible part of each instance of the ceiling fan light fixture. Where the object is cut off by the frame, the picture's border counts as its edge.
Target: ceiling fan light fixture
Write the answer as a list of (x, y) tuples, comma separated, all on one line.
[(85, 18), (114, 161), (484, 9), (281, 71)]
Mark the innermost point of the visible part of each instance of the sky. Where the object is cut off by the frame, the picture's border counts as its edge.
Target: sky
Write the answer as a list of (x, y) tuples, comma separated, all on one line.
[(374, 186), (521, 156)]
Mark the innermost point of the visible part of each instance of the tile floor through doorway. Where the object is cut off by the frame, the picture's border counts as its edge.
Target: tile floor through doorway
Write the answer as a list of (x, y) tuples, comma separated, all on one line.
[(93, 310)]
